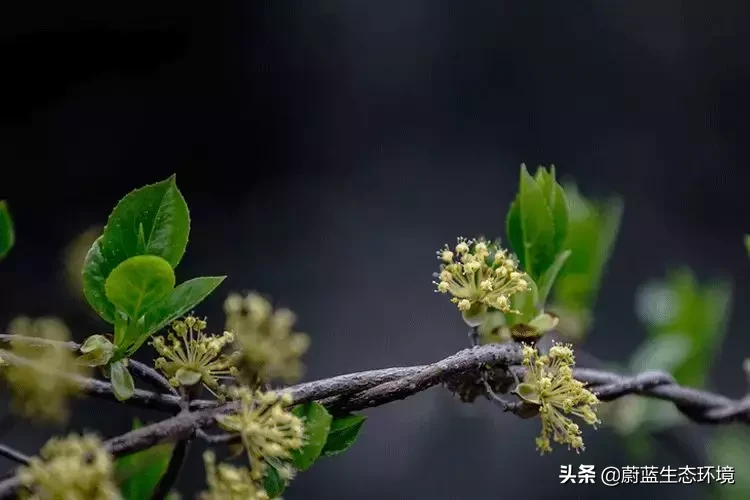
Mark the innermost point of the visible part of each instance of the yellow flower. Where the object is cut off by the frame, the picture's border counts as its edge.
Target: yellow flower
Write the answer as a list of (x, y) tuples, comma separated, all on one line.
[(549, 384), (190, 356), (38, 391), (266, 428), (227, 482), (271, 349), (479, 274), (73, 468)]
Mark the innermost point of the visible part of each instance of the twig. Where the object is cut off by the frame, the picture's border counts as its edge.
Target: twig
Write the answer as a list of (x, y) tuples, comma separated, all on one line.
[(357, 391), (103, 390), (139, 369), (8, 452), (148, 374), (222, 438)]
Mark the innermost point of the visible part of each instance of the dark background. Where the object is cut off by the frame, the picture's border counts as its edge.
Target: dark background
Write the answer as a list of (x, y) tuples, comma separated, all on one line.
[(327, 149)]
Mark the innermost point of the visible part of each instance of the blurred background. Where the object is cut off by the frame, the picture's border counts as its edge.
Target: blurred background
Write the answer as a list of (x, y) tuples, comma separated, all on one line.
[(327, 149)]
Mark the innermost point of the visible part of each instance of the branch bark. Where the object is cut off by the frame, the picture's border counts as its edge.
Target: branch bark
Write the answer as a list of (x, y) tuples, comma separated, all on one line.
[(369, 389)]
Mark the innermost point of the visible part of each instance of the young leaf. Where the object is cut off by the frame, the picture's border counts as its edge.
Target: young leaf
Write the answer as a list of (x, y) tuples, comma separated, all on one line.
[(7, 233), (663, 352), (139, 283), (138, 474), (151, 220), (592, 231), (135, 336), (557, 202), (679, 305), (342, 434), (537, 221), (525, 303), (96, 270), (543, 323), (122, 382), (550, 275), (97, 351), (183, 298), (121, 328), (747, 243), (537, 226), (317, 425)]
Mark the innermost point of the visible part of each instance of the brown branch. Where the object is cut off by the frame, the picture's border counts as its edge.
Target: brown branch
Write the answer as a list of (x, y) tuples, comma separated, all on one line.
[(357, 391)]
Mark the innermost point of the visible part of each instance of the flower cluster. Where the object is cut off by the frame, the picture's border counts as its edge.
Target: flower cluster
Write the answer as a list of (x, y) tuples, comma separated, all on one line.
[(73, 468), (271, 349), (190, 356), (226, 482), (549, 385), (267, 429), (38, 389), (479, 274)]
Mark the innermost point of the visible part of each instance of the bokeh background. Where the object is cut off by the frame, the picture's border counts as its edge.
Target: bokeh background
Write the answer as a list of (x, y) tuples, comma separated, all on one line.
[(327, 149)]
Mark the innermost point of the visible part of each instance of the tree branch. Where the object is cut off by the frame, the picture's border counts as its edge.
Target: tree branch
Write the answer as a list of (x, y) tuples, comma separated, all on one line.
[(103, 390), (357, 391), (141, 370), (12, 454)]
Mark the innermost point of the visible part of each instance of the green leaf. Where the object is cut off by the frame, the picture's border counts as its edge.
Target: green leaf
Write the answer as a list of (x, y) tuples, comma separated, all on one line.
[(592, 232), (121, 328), (550, 275), (151, 220), (556, 201), (96, 269), (544, 322), (183, 298), (272, 482), (139, 283), (537, 221), (138, 474), (747, 243), (664, 352), (122, 382), (525, 303), (97, 351), (96, 342), (317, 425), (679, 305), (343, 433), (7, 233), (537, 225), (135, 336)]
